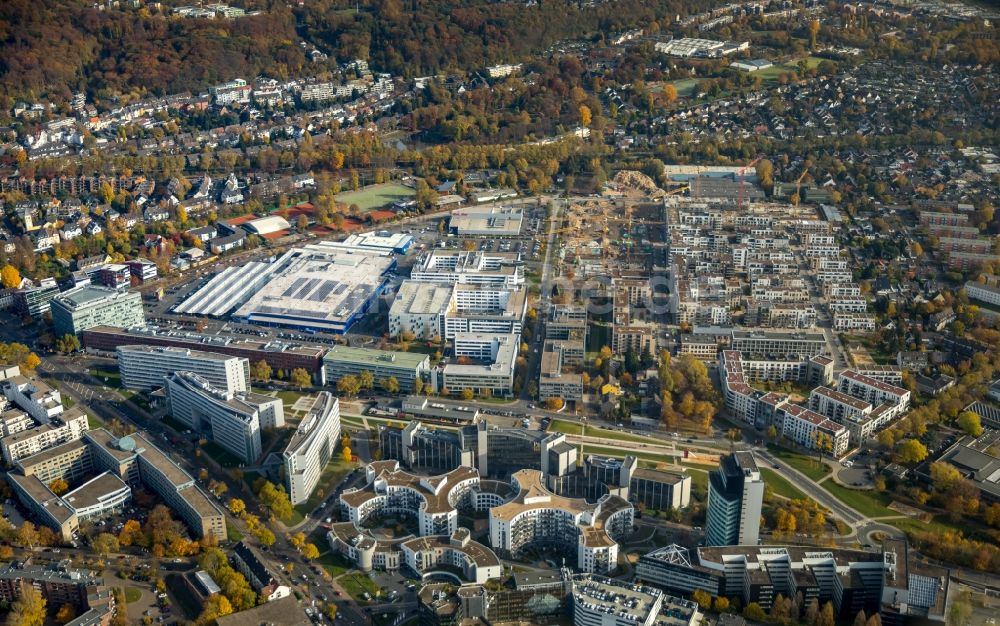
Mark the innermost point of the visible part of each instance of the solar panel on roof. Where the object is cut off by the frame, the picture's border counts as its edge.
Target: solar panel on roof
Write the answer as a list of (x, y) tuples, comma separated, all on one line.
[(341, 288), (324, 290), (295, 285), (309, 286)]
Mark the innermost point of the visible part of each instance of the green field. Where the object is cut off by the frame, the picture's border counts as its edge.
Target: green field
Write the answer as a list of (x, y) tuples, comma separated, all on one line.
[(357, 584), (568, 428), (808, 465), (232, 532), (333, 564), (132, 594), (332, 474), (869, 503), (685, 87), (780, 486), (375, 196)]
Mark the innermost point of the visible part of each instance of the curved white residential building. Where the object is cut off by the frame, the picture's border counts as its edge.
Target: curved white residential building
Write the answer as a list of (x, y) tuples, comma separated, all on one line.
[(311, 447), (536, 516), (432, 500)]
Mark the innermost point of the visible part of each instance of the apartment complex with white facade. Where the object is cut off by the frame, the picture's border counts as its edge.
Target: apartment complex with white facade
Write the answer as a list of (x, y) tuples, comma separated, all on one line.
[(145, 368), (68, 426), (233, 421), (493, 375), (427, 309), (483, 268), (311, 447)]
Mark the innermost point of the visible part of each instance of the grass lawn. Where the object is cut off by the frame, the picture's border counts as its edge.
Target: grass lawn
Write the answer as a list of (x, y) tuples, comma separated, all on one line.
[(333, 564), (685, 86), (232, 532), (93, 422), (375, 196), (110, 378), (332, 474), (808, 465), (289, 397), (132, 594), (780, 486), (357, 584), (295, 518), (869, 503), (569, 428)]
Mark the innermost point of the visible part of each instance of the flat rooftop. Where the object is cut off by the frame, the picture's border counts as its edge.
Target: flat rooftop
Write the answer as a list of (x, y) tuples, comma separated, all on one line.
[(477, 552), (419, 298), (208, 342), (176, 352), (42, 495), (155, 457), (630, 602), (89, 294), (92, 492), (433, 489), (370, 357), (487, 220)]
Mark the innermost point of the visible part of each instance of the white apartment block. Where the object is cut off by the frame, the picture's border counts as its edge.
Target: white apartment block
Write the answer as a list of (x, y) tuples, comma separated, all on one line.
[(233, 421), (871, 390), (844, 322), (311, 447), (39, 400), (984, 293), (427, 309), (145, 368), (840, 290), (848, 304), (69, 426), (807, 428)]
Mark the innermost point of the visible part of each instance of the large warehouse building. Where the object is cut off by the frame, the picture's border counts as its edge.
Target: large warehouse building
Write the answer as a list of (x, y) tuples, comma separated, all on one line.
[(317, 287)]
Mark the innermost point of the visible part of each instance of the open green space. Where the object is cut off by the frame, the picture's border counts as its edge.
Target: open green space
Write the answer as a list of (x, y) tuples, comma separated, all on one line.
[(780, 486), (289, 398), (232, 532), (870, 503), (375, 196), (132, 595), (93, 422), (357, 584), (333, 564), (108, 377), (685, 86), (808, 465), (332, 474), (563, 426)]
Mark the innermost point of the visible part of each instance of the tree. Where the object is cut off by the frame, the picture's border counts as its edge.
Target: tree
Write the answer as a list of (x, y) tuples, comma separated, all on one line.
[(131, 534), (216, 605), (203, 474), (970, 423), (300, 378), (911, 451), (346, 454), (236, 506), (366, 379), (860, 619), (275, 499), (554, 404), (585, 116), (10, 277), (104, 543), (754, 612), (721, 604), (31, 362), (29, 609), (703, 598), (390, 385), (59, 486), (261, 370), (467, 394), (813, 32), (26, 536), (826, 615), (348, 385), (65, 614), (669, 94), (67, 343), (310, 552), (331, 611)]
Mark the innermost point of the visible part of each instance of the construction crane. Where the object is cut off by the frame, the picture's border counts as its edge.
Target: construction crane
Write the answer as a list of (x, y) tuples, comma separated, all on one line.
[(798, 184), (743, 171)]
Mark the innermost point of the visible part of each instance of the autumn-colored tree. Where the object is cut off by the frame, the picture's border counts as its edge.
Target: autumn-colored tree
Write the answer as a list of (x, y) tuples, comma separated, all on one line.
[(348, 385), (346, 454), (236, 506), (467, 394), (703, 598), (813, 32), (554, 404), (310, 551), (366, 379), (300, 378), (669, 94), (911, 451), (390, 385), (261, 370), (28, 609), (585, 116), (970, 423), (131, 534), (59, 486), (65, 614), (10, 277)]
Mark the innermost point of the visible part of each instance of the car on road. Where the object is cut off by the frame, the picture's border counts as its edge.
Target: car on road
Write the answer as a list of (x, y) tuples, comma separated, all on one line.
[(776, 466)]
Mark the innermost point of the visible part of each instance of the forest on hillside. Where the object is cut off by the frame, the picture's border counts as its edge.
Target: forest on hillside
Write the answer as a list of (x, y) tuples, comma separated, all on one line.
[(53, 48)]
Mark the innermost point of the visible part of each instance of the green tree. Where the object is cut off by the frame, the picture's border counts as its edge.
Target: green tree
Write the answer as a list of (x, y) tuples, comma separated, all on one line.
[(104, 543), (67, 343), (275, 499), (300, 378), (754, 612)]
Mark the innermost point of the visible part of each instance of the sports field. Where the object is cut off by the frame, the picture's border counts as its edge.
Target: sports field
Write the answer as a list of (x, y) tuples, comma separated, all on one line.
[(375, 196)]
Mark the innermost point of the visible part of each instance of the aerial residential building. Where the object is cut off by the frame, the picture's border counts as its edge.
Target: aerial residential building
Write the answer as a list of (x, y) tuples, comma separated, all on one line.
[(599, 601), (989, 294), (33, 396), (484, 268), (115, 276), (232, 420), (145, 368), (67, 426), (812, 431), (735, 497), (143, 269), (553, 382), (85, 307), (311, 447), (247, 561)]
